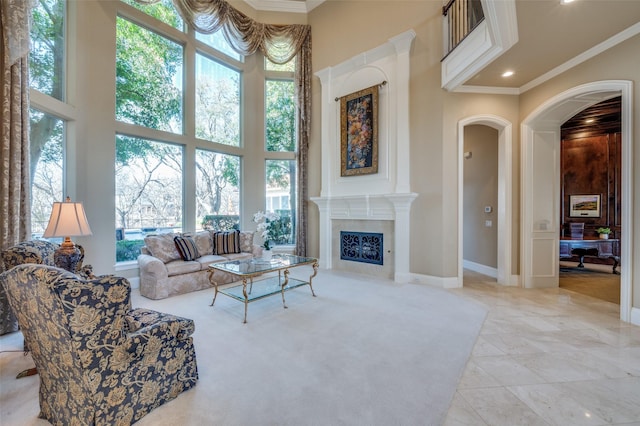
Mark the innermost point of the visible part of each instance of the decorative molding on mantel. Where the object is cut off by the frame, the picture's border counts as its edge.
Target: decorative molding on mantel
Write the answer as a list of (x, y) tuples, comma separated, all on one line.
[(393, 207), (365, 207)]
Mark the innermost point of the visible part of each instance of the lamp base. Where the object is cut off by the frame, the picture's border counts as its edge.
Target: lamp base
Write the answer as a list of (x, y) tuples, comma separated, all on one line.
[(67, 257)]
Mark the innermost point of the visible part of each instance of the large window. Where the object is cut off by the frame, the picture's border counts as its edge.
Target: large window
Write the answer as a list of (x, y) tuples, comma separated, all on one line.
[(148, 192), (148, 78), (47, 131), (181, 136), (217, 190), (281, 199), (217, 102), (281, 146), (47, 48), (156, 82)]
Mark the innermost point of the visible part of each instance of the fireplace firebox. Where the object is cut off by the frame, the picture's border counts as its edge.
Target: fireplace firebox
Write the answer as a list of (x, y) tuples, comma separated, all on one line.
[(366, 247)]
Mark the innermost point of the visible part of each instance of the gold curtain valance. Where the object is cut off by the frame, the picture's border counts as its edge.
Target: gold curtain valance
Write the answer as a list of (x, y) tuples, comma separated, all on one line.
[(279, 43)]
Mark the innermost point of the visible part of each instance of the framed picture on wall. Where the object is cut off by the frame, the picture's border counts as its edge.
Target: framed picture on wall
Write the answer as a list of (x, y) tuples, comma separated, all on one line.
[(584, 205), (359, 132)]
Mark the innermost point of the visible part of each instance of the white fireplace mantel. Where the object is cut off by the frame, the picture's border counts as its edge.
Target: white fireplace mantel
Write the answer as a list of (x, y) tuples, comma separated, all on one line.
[(392, 207), (381, 196)]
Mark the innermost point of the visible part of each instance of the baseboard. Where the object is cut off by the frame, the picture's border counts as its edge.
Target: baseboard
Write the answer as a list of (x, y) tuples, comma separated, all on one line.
[(441, 282), (135, 282), (635, 316), (481, 269)]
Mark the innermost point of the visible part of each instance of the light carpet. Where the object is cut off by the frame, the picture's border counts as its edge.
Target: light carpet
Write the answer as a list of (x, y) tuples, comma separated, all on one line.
[(365, 351)]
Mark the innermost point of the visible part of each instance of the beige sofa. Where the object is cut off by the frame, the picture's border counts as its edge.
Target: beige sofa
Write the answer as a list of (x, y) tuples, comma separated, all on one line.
[(166, 272)]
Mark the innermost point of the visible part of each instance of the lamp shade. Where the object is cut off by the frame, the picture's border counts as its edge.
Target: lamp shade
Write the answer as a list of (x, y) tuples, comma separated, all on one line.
[(67, 220)]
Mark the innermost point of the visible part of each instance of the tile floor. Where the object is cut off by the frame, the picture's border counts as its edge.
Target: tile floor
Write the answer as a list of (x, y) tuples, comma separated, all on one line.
[(547, 357)]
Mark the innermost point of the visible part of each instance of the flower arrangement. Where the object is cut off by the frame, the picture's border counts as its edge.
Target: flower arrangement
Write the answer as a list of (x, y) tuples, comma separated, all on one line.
[(603, 230), (266, 226)]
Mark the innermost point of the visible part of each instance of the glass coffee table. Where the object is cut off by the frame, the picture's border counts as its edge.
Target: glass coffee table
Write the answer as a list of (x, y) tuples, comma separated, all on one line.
[(250, 290)]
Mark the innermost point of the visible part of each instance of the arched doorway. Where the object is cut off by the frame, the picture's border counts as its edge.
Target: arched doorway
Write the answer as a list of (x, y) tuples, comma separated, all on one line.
[(505, 142), (540, 170)]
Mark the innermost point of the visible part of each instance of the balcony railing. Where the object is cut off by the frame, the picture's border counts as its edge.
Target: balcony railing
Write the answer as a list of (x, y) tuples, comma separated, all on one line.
[(460, 18)]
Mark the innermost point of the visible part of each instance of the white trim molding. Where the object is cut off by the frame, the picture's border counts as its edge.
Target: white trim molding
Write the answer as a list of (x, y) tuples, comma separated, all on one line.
[(490, 39)]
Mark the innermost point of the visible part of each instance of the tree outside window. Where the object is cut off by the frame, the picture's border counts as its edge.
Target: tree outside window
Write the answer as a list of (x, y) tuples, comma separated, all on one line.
[(46, 131), (217, 102), (148, 78), (148, 192), (217, 191), (47, 173), (280, 138)]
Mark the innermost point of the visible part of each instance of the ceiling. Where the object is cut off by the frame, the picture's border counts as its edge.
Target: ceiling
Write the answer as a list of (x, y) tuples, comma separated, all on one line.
[(551, 35)]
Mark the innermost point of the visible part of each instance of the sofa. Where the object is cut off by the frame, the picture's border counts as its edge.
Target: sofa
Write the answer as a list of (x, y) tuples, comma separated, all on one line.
[(172, 264)]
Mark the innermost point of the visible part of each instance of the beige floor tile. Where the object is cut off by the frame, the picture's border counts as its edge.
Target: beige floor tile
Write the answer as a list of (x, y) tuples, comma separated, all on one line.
[(461, 414), (556, 406), (500, 407), (548, 356)]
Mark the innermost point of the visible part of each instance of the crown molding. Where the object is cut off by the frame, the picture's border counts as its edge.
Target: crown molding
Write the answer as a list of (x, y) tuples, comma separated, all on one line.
[(290, 6), (584, 56)]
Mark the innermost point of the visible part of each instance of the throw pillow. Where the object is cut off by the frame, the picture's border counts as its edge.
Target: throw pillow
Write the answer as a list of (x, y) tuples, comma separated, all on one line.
[(203, 242), (246, 241), (225, 242), (162, 246), (186, 247)]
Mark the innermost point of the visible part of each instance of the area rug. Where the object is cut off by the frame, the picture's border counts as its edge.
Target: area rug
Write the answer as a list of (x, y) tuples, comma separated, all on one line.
[(365, 351)]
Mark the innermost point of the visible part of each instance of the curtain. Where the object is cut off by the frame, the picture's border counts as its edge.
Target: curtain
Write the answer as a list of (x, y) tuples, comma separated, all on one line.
[(280, 44), (15, 184)]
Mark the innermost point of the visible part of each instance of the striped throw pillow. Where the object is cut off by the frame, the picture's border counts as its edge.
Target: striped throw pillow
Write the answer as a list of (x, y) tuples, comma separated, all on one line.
[(225, 242), (186, 247)]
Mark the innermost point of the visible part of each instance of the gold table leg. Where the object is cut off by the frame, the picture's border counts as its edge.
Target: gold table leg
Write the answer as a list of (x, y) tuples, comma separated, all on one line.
[(283, 285), (246, 297), (315, 272), (215, 284)]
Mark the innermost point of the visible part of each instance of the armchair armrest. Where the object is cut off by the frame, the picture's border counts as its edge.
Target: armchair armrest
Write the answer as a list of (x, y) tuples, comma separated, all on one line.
[(140, 319)]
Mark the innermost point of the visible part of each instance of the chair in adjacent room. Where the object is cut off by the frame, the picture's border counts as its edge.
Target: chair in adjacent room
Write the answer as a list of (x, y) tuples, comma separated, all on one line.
[(100, 362), (576, 230)]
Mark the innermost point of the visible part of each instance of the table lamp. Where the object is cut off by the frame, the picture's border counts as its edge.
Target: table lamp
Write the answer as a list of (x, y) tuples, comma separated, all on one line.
[(67, 220)]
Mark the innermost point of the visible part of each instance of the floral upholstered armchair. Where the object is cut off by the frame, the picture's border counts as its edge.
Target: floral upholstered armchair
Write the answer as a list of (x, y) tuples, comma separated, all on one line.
[(35, 251), (100, 362)]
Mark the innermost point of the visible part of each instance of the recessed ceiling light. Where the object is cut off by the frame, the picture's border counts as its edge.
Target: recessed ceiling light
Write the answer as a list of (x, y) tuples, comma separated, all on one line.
[(566, 1), (507, 73)]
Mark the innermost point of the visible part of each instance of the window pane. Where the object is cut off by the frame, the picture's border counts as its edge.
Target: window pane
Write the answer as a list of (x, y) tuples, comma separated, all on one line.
[(47, 161), (289, 66), (163, 11), (217, 191), (218, 42), (281, 197), (280, 116), (148, 192), (217, 102), (148, 78), (47, 48)]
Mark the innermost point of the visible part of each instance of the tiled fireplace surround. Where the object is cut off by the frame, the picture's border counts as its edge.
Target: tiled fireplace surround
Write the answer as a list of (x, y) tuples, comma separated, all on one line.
[(379, 202)]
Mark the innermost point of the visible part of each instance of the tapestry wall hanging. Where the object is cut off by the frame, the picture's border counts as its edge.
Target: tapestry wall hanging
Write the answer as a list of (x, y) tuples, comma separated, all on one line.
[(359, 132)]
